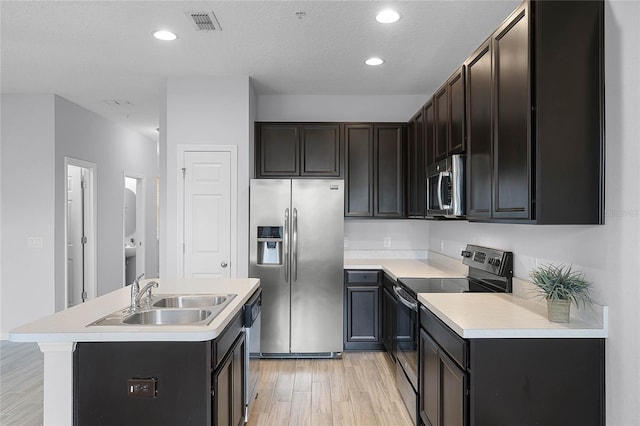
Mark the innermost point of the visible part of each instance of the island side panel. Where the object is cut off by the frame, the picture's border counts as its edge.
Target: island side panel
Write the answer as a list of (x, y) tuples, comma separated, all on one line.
[(182, 374), (537, 382), (58, 385)]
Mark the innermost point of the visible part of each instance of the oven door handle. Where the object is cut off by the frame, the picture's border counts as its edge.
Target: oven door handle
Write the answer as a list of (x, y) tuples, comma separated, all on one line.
[(411, 305)]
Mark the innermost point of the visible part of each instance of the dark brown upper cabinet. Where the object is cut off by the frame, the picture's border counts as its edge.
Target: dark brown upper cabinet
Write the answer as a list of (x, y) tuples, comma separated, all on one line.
[(358, 173), (535, 117), (389, 150), (429, 133), (298, 150), (374, 170), (479, 133), (449, 113), (416, 166)]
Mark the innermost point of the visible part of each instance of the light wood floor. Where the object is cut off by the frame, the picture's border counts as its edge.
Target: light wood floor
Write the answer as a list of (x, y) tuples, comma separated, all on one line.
[(21, 377), (357, 390)]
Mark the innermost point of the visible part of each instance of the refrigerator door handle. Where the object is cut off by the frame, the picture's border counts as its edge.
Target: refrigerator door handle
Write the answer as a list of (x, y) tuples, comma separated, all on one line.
[(294, 254), (286, 245)]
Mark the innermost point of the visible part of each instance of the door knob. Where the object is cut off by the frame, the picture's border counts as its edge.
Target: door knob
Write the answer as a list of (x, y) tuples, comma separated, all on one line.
[(223, 264)]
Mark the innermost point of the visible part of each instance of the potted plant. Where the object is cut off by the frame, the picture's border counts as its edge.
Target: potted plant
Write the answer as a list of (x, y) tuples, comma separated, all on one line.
[(561, 286)]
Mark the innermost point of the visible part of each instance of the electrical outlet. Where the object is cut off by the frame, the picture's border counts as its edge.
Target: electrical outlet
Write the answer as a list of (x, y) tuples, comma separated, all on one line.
[(34, 242), (346, 242), (387, 242)]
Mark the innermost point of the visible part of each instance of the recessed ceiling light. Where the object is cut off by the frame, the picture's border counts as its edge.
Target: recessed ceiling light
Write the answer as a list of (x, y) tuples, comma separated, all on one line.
[(374, 61), (387, 16), (164, 35)]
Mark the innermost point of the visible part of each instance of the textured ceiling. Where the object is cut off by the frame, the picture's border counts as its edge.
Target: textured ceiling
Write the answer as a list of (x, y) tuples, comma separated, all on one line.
[(91, 51)]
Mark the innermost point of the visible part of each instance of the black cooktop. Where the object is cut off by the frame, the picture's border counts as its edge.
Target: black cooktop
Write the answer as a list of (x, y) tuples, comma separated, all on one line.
[(442, 285)]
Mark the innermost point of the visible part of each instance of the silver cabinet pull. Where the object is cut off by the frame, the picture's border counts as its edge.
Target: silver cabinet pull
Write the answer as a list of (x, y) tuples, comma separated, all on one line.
[(294, 260), (286, 245), (223, 264)]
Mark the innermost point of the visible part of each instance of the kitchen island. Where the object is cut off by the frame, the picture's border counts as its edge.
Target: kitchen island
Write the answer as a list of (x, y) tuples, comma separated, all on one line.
[(59, 334)]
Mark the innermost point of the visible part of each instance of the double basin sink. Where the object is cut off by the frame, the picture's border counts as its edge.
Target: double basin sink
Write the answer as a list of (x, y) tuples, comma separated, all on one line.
[(192, 309)]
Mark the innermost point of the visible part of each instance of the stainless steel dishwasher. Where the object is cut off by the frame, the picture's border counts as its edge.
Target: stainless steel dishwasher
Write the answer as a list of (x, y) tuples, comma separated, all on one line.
[(252, 320)]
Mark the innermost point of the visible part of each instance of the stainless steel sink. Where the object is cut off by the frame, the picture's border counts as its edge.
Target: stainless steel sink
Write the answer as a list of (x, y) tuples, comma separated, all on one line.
[(171, 309), (193, 301), (168, 317)]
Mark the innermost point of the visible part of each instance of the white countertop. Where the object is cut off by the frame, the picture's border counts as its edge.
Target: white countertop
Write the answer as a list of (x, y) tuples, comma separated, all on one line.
[(404, 268), (499, 315), (71, 325)]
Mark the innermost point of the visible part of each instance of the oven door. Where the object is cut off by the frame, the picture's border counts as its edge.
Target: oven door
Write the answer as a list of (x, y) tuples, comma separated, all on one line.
[(407, 351)]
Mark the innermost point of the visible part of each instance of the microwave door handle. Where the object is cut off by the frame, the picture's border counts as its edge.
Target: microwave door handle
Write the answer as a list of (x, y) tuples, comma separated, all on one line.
[(286, 245), (294, 254), (440, 190), (449, 175)]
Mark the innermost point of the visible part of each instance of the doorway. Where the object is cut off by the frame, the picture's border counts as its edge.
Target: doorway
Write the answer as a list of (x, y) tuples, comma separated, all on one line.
[(80, 231), (133, 227)]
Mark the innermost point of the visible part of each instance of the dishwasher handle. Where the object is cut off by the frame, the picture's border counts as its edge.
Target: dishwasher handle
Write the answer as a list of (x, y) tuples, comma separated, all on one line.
[(404, 298)]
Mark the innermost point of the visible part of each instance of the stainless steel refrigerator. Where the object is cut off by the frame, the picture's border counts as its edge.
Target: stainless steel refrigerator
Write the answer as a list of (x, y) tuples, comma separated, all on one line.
[(296, 249)]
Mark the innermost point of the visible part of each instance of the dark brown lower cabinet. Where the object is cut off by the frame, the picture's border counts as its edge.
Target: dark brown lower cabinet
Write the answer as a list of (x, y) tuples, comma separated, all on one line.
[(161, 383), (362, 328), (389, 319), (228, 388), (503, 382)]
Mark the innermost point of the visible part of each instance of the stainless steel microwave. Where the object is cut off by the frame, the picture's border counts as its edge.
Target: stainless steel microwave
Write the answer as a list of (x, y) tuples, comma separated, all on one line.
[(446, 188)]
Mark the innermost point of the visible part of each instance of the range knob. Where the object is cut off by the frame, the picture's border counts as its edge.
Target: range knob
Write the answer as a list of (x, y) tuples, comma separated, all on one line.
[(466, 253), (495, 261)]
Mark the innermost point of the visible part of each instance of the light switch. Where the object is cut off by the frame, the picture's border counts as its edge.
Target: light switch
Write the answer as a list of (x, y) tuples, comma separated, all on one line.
[(387, 242)]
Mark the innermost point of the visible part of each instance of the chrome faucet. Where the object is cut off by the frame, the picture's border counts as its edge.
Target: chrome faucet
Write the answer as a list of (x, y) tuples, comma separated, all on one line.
[(135, 290), (146, 290)]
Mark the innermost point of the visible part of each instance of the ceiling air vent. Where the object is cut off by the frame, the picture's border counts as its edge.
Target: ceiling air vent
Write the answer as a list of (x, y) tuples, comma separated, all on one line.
[(204, 21)]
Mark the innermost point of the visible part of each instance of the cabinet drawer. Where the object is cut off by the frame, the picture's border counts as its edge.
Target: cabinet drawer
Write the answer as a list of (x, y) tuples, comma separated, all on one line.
[(225, 340), (363, 276), (455, 346)]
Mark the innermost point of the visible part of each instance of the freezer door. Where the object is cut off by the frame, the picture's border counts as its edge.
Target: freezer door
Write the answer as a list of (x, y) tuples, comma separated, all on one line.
[(270, 201), (317, 263)]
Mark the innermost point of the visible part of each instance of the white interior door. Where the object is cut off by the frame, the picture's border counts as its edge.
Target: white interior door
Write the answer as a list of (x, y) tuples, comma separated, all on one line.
[(75, 281), (207, 214)]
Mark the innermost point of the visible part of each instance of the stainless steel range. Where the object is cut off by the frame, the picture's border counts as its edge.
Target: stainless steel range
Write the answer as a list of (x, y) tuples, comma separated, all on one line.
[(490, 271)]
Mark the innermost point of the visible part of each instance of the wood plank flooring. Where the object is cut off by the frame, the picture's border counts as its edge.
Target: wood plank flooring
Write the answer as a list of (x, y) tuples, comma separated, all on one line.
[(21, 387), (357, 390)]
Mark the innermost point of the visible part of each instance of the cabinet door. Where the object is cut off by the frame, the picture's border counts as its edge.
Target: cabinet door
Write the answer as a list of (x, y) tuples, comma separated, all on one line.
[(511, 185), (429, 381), (456, 119), (479, 152), (320, 150), (416, 166), (358, 170), (228, 391), (453, 392), (222, 394), (278, 150), (441, 120), (363, 315), (238, 370), (429, 134), (389, 170)]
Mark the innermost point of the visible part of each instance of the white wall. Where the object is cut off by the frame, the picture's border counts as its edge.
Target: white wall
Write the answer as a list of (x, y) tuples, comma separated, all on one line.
[(609, 254), (339, 108), (204, 111), (115, 150), (28, 168), (369, 234)]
